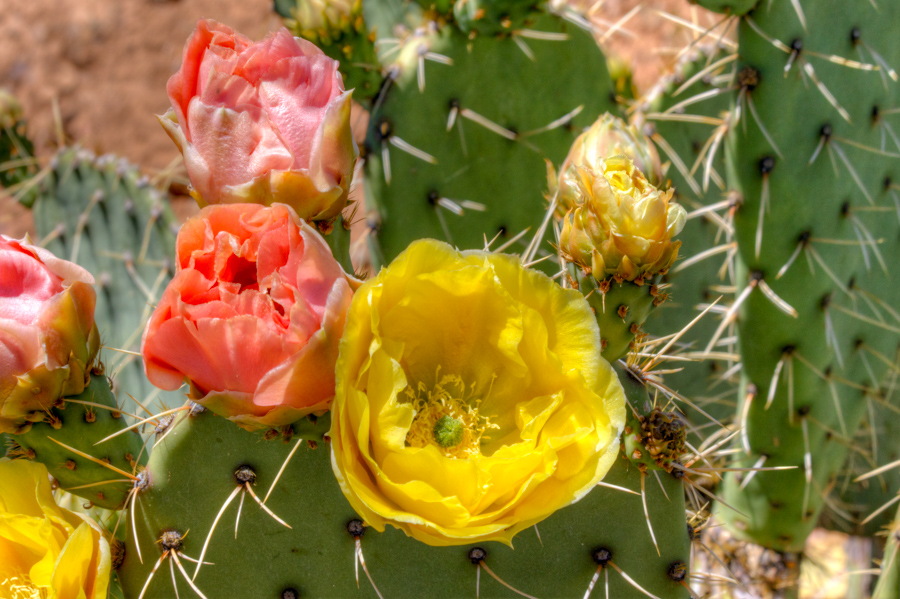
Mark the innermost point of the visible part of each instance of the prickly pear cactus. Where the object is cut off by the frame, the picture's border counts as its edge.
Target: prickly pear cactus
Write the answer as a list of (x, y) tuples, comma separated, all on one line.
[(69, 444), (461, 128), (813, 160), (696, 281), (201, 478), (102, 214)]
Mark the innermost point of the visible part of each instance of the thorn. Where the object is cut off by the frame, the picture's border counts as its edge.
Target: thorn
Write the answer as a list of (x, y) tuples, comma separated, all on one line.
[(807, 466), (283, 466), (617, 488), (487, 124), (776, 300), (756, 468), (134, 498), (186, 577), (560, 122), (152, 572), (264, 506), (647, 513), (745, 411), (411, 150), (362, 560), (238, 518), (95, 460), (215, 523), (139, 423)]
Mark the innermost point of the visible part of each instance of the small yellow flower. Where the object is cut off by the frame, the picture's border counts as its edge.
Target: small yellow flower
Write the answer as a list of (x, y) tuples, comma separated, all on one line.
[(622, 225), (472, 400), (46, 551), (608, 136)]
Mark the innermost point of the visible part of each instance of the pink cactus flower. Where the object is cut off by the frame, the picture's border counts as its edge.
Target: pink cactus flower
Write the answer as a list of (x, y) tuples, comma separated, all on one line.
[(253, 316), (48, 339), (265, 122)]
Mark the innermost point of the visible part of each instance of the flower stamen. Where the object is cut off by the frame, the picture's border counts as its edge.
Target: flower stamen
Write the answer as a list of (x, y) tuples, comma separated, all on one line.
[(447, 419)]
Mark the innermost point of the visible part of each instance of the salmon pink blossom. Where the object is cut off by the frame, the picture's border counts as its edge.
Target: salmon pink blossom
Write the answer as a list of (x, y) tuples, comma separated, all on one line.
[(265, 122), (253, 316)]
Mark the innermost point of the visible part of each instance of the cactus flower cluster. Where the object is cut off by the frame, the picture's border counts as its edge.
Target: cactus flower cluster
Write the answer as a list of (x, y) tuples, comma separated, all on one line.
[(460, 400)]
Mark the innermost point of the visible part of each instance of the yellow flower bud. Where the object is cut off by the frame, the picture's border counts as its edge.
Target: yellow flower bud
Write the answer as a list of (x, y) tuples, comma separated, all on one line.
[(629, 222), (472, 400), (47, 551), (608, 136)]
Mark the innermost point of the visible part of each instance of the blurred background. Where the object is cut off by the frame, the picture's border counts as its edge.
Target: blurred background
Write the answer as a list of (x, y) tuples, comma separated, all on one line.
[(94, 72)]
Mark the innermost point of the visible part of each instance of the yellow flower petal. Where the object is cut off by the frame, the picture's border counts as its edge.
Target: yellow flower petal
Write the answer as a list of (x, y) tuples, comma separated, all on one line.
[(502, 355), (45, 549)]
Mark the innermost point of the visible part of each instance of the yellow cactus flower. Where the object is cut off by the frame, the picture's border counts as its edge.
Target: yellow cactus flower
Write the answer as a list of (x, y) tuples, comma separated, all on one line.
[(46, 551), (608, 136), (622, 225), (472, 401)]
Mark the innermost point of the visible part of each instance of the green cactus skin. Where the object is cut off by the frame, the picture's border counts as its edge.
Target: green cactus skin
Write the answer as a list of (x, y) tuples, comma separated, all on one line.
[(494, 78), (192, 474), (100, 213), (879, 434), (338, 239), (691, 287), (888, 586), (80, 427), (490, 17), (729, 7), (620, 311), (809, 203)]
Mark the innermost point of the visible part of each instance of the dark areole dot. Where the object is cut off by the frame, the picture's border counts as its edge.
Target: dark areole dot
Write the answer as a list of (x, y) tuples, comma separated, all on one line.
[(677, 571), (855, 34), (477, 555), (693, 535), (355, 527), (826, 131), (601, 556), (797, 45), (245, 474), (290, 594), (384, 129), (767, 165), (171, 540)]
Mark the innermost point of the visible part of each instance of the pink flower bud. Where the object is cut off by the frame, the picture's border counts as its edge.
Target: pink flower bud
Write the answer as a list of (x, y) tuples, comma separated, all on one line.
[(265, 122), (253, 316), (48, 339)]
